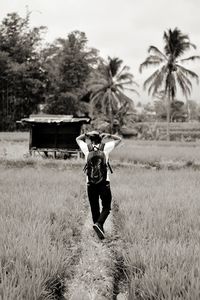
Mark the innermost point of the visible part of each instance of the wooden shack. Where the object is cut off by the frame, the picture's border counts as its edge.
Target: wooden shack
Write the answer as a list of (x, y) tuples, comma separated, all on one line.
[(54, 133)]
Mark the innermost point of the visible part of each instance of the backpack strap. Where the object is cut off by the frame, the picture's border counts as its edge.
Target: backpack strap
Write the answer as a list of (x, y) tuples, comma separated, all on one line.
[(109, 166), (90, 148), (101, 146), (85, 168)]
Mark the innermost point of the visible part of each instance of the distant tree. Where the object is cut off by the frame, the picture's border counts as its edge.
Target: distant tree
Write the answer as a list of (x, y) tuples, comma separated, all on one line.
[(193, 109), (107, 86), (68, 63), (177, 112), (22, 77), (77, 62), (149, 107), (171, 73), (198, 112), (66, 104), (160, 105)]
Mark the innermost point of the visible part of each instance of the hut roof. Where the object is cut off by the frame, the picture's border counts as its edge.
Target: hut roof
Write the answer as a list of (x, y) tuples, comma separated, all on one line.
[(46, 118)]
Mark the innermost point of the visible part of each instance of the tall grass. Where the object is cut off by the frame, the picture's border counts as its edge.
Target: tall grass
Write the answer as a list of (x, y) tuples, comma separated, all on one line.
[(41, 214), (42, 209), (159, 223)]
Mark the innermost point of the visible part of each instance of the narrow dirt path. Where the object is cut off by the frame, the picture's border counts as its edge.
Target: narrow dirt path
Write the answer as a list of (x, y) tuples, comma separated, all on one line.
[(93, 278)]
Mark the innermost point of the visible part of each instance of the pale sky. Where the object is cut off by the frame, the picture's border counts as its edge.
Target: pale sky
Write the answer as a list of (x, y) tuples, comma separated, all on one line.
[(122, 28)]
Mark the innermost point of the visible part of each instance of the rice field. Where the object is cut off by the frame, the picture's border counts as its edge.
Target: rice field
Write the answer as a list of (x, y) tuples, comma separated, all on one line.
[(159, 213), (41, 214), (134, 151), (156, 214), (15, 146)]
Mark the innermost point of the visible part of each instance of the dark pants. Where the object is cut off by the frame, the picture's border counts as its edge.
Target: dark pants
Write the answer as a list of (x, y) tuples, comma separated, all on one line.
[(102, 191)]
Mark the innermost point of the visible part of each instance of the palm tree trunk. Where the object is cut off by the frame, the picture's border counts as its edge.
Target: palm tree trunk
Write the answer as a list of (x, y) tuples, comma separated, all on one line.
[(110, 112), (168, 116), (188, 109)]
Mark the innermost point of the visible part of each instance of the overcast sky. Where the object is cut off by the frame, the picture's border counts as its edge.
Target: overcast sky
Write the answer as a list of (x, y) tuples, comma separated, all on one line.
[(122, 28)]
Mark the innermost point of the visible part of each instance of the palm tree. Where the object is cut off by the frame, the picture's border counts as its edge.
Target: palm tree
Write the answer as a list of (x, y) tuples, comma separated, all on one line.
[(107, 87), (171, 73)]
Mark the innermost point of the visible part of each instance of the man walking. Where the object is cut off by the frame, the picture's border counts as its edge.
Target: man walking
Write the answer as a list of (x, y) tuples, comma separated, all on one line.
[(97, 169)]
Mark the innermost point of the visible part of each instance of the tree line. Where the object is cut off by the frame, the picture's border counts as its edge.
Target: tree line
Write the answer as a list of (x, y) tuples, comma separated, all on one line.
[(69, 77)]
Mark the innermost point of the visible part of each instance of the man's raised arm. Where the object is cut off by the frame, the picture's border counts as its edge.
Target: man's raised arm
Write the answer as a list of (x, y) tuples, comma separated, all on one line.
[(81, 137), (113, 137), (81, 141)]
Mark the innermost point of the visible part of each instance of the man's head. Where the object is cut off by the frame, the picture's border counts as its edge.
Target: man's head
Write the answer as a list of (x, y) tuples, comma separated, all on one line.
[(95, 137)]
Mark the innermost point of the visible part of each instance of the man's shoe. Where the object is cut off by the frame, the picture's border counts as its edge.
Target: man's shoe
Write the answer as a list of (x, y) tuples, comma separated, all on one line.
[(99, 230)]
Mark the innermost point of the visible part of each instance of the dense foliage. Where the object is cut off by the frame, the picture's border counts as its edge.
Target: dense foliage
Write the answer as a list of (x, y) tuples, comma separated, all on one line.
[(23, 78), (32, 75), (68, 63)]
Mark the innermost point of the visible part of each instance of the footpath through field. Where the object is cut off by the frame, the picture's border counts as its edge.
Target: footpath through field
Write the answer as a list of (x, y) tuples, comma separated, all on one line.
[(93, 278)]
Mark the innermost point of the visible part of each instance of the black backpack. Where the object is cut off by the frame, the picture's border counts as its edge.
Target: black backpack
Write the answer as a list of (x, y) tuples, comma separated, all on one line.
[(96, 166)]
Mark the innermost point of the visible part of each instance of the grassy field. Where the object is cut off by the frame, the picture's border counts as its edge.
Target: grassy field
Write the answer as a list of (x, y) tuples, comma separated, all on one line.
[(158, 221), (15, 146), (41, 215), (134, 151), (156, 218)]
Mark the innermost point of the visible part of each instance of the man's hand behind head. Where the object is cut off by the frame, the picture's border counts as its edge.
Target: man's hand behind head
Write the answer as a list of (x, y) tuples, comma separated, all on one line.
[(105, 135)]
